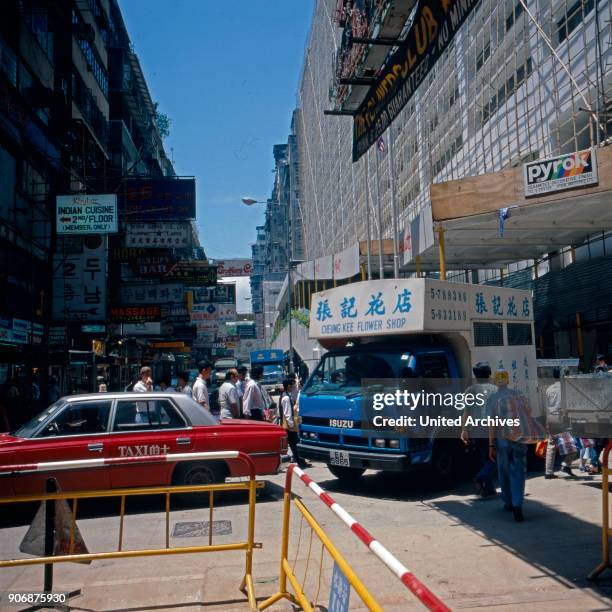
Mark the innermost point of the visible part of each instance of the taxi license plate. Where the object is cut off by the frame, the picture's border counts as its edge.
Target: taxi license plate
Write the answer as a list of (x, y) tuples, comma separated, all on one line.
[(339, 458)]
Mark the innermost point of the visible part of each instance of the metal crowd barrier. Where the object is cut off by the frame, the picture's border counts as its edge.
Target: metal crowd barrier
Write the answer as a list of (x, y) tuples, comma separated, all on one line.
[(49, 558), (606, 532), (287, 573)]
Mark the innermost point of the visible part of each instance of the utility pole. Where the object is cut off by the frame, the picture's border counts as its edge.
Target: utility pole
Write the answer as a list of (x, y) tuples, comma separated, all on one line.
[(289, 286)]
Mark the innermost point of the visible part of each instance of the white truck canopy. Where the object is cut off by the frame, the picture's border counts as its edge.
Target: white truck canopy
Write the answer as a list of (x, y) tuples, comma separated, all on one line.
[(481, 323), (400, 306)]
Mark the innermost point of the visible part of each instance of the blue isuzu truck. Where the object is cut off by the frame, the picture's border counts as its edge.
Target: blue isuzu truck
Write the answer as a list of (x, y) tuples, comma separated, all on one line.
[(395, 328)]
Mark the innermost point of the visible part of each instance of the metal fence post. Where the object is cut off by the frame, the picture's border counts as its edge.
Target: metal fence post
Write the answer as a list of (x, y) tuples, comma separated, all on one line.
[(50, 487)]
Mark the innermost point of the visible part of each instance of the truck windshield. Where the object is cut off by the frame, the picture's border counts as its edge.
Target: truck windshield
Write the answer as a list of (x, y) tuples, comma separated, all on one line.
[(272, 368), (344, 372)]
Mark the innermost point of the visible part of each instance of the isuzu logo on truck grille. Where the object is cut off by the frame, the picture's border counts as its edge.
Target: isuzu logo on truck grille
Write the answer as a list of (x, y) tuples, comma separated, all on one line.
[(344, 423)]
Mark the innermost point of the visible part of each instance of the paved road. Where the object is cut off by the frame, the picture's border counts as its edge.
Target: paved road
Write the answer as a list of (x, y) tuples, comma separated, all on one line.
[(470, 552)]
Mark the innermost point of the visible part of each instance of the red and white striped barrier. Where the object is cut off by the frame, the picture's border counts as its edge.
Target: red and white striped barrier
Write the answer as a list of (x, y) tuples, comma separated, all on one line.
[(58, 466), (424, 595)]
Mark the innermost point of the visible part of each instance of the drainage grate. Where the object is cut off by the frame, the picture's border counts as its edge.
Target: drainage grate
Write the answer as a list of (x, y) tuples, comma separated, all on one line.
[(195, 529)]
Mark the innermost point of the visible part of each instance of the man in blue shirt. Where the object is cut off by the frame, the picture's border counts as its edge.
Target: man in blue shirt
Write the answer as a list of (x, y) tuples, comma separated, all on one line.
[(511, 455)]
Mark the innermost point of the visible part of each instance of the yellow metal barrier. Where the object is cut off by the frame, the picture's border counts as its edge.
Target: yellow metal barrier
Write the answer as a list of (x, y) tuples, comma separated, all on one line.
[(246, 586), (288, 572), (605, 522)]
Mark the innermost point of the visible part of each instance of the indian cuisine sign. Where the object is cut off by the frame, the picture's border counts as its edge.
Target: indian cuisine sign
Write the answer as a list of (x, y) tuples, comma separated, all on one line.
[(435, 24), (86, 214)]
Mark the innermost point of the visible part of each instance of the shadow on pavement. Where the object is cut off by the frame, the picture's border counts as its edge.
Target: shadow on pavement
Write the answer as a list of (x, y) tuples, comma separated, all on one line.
[(559, 545), (22, 514), (411, 486), (235, 603)]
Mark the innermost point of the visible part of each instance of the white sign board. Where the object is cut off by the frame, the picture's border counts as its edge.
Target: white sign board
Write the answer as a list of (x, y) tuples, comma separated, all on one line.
[(146, 328), (86, 214), (346, 263), (386, 307), (560, 172), (152, 294), (79, 285), (323, 268), (234, 267), (164, 235)]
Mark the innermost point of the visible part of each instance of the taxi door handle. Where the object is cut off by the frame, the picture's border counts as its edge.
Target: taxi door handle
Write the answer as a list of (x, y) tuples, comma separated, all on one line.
[(98, 448), (183, 440)]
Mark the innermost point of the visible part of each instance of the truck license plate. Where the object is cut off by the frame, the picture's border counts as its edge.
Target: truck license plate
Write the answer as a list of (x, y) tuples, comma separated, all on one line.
[(339, 458)]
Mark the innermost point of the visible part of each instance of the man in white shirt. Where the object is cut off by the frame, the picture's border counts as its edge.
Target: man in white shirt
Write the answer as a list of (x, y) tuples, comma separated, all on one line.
[(554, 425), (228, 396), (200, 389), (241, 384), (290, 422), (145, 383), (182, 384), (253, 401)]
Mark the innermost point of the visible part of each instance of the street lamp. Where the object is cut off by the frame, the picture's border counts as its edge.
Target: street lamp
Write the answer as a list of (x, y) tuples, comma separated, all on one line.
[(249, 202)]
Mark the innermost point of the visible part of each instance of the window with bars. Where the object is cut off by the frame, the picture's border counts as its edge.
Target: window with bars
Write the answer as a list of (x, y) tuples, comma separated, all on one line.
[(573, 18), (516, 12), (519, 334), (91, 57), (506, 90), (488, 334), (483, 56)]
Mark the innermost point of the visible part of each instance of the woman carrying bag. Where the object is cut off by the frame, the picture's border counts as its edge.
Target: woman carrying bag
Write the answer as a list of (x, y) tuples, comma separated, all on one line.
[(291, 421)]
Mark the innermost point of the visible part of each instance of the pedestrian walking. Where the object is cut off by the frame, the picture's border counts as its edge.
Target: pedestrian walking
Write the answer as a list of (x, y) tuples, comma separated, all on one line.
[(53, 391), (241, 384), (601, 366), (290, 421), (557, 435), (145, 384), (200, 386), (182, 384), (510, 454), (253, 402), (483, 387), (228, 396)]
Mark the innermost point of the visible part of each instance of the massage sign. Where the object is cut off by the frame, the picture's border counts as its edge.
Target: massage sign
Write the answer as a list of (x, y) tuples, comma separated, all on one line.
[(435, 24)]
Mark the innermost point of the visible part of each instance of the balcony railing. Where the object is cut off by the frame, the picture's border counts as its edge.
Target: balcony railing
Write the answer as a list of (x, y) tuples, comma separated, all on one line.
[(86, 101), (357, 57)]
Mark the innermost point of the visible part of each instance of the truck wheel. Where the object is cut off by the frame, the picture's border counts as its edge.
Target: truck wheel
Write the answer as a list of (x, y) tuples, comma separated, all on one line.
[(444, 463), (347, 474), (192, 473)]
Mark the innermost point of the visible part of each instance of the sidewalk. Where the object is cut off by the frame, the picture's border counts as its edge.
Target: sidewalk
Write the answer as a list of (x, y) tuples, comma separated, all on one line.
[(469, 552)]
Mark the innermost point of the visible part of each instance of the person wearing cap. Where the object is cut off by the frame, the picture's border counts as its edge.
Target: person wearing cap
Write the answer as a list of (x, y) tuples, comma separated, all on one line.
[(482, 387), (510, 455), (601, 365)]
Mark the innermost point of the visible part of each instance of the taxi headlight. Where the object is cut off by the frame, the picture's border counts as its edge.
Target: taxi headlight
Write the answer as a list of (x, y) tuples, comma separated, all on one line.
[(379, 442), (394, 443)]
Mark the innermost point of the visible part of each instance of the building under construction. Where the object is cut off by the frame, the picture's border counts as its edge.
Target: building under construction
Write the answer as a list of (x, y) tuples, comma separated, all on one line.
[(521, 81)]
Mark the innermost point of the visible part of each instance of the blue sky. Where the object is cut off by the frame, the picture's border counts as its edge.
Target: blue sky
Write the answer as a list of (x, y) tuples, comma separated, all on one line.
[(226, 74)]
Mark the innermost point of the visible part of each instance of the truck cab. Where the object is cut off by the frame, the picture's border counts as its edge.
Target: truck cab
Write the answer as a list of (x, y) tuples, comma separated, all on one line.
[(440, 331), (272, 362)]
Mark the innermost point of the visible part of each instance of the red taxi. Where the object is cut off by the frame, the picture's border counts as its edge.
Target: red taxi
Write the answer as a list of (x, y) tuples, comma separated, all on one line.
[(115, 425)]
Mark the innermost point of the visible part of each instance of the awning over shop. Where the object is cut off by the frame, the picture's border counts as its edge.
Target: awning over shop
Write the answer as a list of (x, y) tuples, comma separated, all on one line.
[(468, 210)]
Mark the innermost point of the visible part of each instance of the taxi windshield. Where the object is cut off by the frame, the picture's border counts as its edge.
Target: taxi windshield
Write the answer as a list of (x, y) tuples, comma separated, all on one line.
[(27, 430)]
